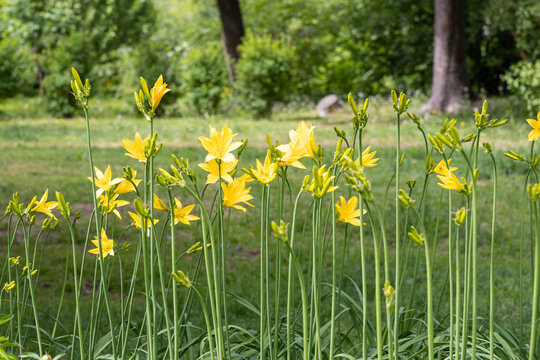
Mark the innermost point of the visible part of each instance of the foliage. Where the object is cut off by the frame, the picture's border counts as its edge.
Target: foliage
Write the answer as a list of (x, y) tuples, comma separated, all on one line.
[(79, 33), (264, 73), (17, 67), (523, 79), (204, 78)]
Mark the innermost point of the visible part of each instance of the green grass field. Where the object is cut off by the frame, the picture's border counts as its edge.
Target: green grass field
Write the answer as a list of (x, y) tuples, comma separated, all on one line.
[(43, 152)]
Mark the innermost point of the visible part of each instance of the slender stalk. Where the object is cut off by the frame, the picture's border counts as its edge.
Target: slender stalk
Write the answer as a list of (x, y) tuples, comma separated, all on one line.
[(334, 261), (28, 275), (98, 233), (536, 281), (450, 274), (222, 260), (289, 278), (207, 321), (458, 290), (492, 262), (304, 301), (262, 336), (77, 294), (173, 270), (429, 283), (398, 234), (378, 320)]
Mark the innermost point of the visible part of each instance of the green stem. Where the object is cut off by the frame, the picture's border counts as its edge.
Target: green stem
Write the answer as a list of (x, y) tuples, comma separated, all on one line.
[(29, 269), (207, 321), (98, 234), (429, 289), (398, 234), (492, 264), (262, 336), (77, 286), (289, 278), (304, 301), (536, 281)]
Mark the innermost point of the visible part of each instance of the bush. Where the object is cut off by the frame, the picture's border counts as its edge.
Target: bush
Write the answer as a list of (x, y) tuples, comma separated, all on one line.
[(523, 79), (205, 79), (17, 67), (57, 63), (264, 73)]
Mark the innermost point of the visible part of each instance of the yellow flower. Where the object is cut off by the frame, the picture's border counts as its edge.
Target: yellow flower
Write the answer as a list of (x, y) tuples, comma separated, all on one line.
[(367, 158), (267, 172), (9, 286), (304, 138), (213, 169), (348, 211), (182, 214), (104, 181), (135, 149), (157, 92), (45, 206), (302, 144), (236, 192), (291, 154), (137, 221), (220, 145), (159, 204), (442, 169), (107, 245), (111, 204), (126, 186), (535, 132), (450, 181)]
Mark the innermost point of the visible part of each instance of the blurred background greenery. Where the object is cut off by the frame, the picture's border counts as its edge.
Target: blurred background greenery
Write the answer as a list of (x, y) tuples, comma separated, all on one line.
[(293, 51)]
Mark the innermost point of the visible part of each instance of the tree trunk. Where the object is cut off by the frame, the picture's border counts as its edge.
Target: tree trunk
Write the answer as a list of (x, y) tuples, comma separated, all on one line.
[(232, 32), (450, 83)]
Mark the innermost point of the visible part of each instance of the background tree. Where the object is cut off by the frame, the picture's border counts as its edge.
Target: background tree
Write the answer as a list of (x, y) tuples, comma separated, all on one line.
[(232, 32), (450, 82)]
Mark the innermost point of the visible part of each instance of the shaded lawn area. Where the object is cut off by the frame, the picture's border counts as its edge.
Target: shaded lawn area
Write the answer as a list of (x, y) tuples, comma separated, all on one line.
[(51, 153)]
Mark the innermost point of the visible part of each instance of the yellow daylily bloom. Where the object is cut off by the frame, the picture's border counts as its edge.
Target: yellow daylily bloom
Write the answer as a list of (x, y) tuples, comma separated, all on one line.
[(348, 211), (450, 181), (213, 170), (135, 149), (107, 245), (220, 144), (137, 221), (442, 169), (291, 154), (302, 144), (107, 203), (159, 204), (182, 214), (535, 132), (126, 186), (236, 192), (157, 92), (9, 286), (104, 181), (267, 172), (367, 158), (44, 206), (304, 138)]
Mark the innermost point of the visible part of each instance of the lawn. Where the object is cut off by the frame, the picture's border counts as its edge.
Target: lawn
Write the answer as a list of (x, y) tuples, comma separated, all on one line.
[(43, 152)]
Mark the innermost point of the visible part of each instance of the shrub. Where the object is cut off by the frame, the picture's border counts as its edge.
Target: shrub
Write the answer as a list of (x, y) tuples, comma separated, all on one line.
[(57, 63), (205, 79), (264, 73), (17, 67), (523, 79)]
